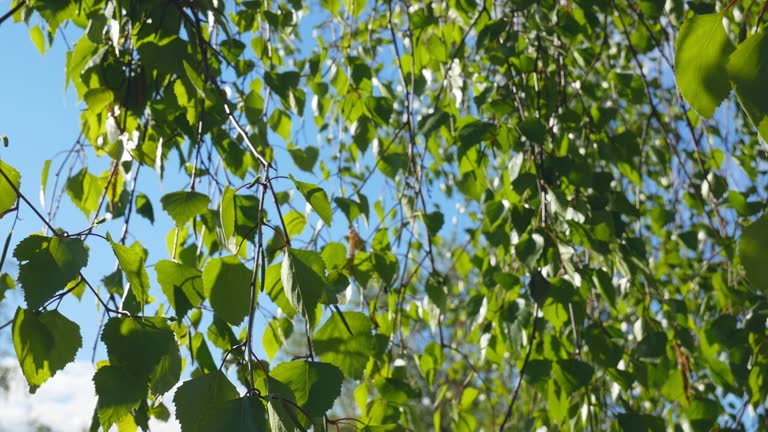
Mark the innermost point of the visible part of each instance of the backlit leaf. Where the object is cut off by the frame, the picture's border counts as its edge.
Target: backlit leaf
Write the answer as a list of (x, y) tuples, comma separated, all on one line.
[(753, 252), (182, 285), (336, 346), (85, 191), (246, 414), (144, 207), (47, 265), (195, 399), (317, 198), (184, 205), (276, 333), (7, 193), (316, 385), (747, 68), (701, 54), (227, 287), (119, 392), (132, 261), (147, 348), (44, 343), (303, 277)]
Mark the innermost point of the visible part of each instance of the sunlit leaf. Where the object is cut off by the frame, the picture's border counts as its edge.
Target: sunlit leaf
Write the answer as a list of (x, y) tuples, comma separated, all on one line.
[(119, 392), (184, 205), (47, 265), (132, 261), (303, 278), (701, 54), (195, 399), (144, 207), (182, 285), (44, 343), (316, 385), (753, 252), (227, 285), (317, 198), (146, 348), (7, 193), (747, 67), (336, 346), (85, 190)]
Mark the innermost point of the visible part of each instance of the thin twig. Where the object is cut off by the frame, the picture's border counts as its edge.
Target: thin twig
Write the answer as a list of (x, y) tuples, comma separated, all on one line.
[(521, 372), (13, 10)]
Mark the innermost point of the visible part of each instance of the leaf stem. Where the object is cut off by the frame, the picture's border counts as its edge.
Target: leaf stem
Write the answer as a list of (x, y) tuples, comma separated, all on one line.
[(729, 6), (762, 12), (13, 10)]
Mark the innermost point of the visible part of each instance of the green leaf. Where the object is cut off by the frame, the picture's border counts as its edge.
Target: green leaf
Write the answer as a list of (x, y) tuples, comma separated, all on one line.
[(703, 413), (202, 355), (281, 416), (228, 217), (132, 260), (227, 286), (44, 343), (238, 215), (119, 392), (36, 34), (182, 285), (529, 248), (85, 190), (47, 265), (753, 253), (303, 277), (294, 222), (221, 335), (276, 334), (653, 346), (184, 205), (144, 207), (304, 158), (434, 222), (602, 346), (98, 99), (280, 122), (246, 414), (147, 348), (334, 256), (316, 197), (284, 416), (156, 53), (701, 54), (316, 385), (6, 284), (533, 129), (747, 69), (572, 374), (7, 193), (431, 123), (79, 59), (604, 284), (276, 292), (334, 345), (351, 208), (436, 290), (640, 423), (196, 398)]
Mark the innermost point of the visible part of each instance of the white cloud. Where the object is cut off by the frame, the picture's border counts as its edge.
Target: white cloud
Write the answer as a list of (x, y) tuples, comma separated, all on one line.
[(64, 404)]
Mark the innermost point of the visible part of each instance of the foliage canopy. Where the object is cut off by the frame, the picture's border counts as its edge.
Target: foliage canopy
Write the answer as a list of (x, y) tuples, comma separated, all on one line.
[(449, 215)]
